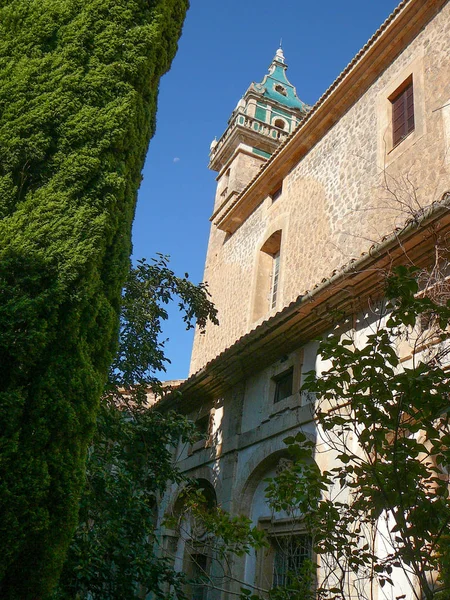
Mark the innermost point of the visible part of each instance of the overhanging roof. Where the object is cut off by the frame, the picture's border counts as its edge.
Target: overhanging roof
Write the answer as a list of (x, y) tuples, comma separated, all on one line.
[(313, 312)]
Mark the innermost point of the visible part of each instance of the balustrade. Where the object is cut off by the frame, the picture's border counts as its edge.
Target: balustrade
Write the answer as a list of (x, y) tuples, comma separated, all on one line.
[(243, 120)]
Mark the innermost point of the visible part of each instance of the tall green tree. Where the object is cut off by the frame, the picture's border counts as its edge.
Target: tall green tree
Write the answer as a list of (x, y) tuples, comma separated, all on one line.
[(78, 89), (131, 459)]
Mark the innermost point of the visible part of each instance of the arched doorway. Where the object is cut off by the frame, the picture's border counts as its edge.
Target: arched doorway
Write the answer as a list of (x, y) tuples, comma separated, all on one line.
[(289, 551)]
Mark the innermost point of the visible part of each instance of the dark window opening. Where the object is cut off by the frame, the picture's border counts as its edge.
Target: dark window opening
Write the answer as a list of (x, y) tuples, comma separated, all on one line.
[(281, 89), (202, 426), (290, 554), (402, 112), (283, 385), (199, 570)]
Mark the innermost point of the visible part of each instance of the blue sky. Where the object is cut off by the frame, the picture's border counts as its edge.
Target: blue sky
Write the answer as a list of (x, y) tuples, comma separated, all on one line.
[(225, 46)]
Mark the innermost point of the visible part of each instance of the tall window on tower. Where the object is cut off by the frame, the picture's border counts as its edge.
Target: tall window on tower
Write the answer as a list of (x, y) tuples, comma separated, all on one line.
[(402, 111), (275, 279), (267, 292)]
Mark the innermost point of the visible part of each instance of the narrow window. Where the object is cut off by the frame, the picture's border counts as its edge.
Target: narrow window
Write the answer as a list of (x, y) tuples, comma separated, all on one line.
[(283, 385), (199, 571), (275, 279), (402, 112), (268, 276)]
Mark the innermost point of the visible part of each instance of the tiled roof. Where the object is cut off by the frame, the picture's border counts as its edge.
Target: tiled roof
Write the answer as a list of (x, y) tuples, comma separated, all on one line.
[(365, 269)]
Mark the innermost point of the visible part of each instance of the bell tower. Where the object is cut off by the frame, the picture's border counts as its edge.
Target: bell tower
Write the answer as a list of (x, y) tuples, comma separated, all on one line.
[(264, 117), (267, 113)]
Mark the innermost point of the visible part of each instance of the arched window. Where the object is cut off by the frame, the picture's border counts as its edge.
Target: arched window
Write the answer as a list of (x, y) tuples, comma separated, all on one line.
[(290, 544), (268, 276), (190, 546), (280, 123)]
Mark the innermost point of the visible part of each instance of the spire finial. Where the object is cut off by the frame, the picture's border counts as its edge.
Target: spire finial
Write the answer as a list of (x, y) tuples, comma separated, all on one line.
[(281, 43), (279, 56)]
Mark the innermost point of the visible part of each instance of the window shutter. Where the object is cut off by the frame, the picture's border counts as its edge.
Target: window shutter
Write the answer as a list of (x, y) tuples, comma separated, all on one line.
[(402, 114)]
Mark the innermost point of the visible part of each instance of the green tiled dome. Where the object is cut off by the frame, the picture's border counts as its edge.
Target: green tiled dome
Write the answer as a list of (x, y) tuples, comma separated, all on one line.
[(276, 86)]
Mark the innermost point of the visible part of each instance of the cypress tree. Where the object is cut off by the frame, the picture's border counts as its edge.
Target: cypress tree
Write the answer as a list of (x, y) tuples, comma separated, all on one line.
[(78, 89)]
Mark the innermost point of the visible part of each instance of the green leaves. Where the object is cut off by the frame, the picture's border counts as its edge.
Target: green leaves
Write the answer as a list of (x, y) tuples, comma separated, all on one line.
[(398, 417), (149, 288), (78, 88), (131, 459)]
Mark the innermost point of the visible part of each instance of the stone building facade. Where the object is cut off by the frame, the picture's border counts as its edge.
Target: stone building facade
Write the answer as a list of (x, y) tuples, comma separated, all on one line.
[(340, 179), (313, 204)]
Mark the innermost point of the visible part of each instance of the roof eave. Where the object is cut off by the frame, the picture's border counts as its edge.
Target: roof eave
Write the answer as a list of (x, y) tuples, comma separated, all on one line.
[(312, 312)]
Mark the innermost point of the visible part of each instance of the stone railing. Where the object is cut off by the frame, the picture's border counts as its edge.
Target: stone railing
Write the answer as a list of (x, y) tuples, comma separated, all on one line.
[(243, 120)]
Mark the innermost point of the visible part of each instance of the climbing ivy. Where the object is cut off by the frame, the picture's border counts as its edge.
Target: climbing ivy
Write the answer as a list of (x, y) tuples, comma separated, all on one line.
[(78, 89)]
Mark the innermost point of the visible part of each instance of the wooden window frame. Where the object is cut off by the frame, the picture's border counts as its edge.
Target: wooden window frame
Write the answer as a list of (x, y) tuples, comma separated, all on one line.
[(403, 112), (392, 84)]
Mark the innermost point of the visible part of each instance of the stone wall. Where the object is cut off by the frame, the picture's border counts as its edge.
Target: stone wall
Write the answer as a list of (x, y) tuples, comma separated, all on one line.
[(236, 174), (349, 191)]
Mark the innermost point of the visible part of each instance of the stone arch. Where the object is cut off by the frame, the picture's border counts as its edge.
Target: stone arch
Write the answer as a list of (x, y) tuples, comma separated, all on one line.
[(248, 491), (204, 473), (277, 224), (265, 457), (186, 544), (208, 492), (257, 569)]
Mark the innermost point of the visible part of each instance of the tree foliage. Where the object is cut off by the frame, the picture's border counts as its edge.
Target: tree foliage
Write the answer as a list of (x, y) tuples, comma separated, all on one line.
[(78, 88), (381, 513), (379, 517), (131, 459)]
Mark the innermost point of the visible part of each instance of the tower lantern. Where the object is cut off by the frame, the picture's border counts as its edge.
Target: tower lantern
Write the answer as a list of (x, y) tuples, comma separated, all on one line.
[(267, 113)]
